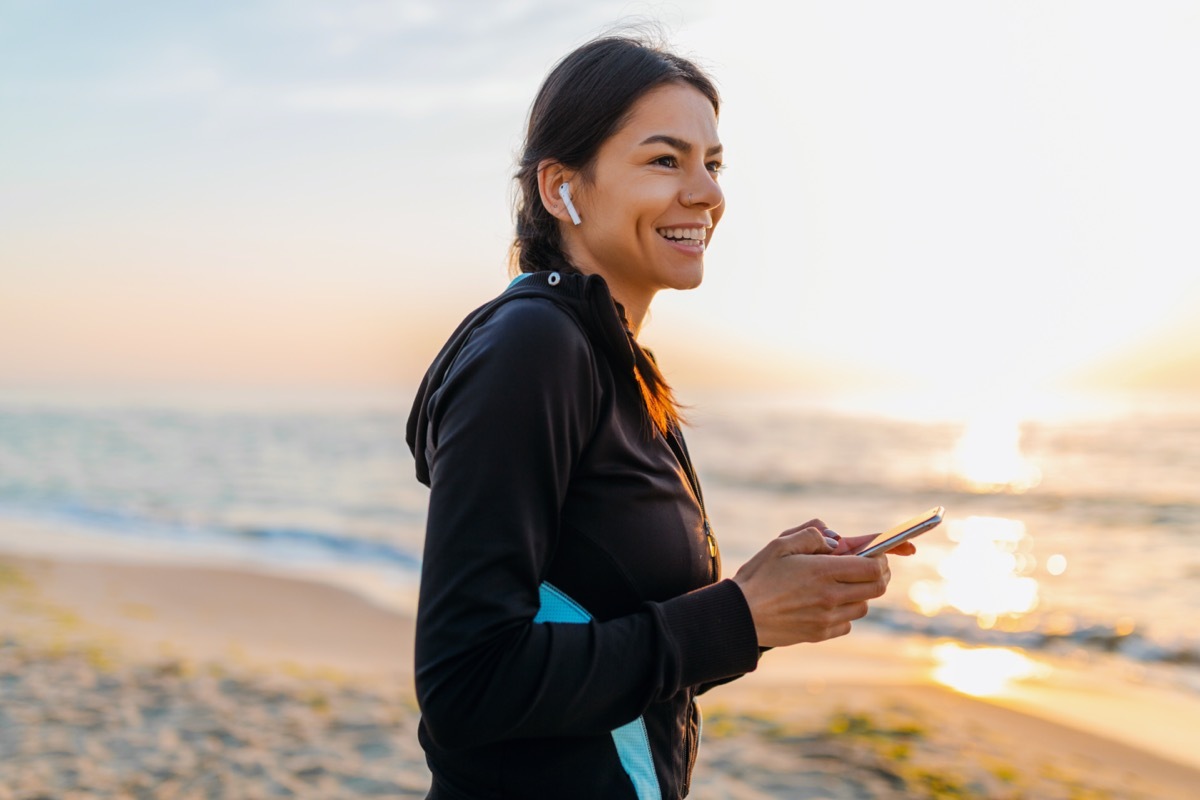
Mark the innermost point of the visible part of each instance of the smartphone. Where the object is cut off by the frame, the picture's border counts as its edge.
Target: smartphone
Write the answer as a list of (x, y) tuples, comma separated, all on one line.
[(902, 532)]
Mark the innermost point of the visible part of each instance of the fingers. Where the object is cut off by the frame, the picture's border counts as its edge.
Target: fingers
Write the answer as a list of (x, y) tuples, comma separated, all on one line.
[(809, 540), (799, 590), (846, 594), (844, 547), (849, 544), (859, 570), (885, 572), (812, 523), (841, 545), (848, 571), (832, 537), (860, 579), (854, 543), (798, 593), (834, 622)]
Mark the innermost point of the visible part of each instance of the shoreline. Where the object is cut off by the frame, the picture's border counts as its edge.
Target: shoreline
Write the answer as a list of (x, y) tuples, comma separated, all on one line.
[(856, 715), (145, 611)]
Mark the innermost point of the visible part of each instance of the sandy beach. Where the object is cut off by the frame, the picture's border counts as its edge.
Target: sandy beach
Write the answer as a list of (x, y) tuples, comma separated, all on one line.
[(142, 680)]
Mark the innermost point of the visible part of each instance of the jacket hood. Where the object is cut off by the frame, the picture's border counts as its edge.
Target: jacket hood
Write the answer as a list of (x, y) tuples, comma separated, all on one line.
[(586, 297)]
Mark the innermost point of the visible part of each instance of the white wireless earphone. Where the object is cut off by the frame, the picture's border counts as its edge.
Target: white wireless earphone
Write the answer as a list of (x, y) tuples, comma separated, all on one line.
[(564, 192)]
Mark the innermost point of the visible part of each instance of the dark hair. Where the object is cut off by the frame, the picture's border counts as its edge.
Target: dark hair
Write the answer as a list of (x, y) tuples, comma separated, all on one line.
[(585, 99)]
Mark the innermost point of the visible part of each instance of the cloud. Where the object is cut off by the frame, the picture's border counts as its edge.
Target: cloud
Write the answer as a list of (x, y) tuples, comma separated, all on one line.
[(503, 29), (406, 60), (169, 84), (408, 102)]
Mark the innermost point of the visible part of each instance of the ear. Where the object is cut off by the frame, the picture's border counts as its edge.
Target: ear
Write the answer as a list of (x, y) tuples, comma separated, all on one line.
[(551, 176)]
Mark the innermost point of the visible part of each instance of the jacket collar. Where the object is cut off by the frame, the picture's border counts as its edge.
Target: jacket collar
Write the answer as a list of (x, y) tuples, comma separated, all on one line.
[(586, 297)]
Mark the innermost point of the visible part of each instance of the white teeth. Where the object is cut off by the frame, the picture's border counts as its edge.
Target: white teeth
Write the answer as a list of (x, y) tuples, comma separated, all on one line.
[(697, 234)]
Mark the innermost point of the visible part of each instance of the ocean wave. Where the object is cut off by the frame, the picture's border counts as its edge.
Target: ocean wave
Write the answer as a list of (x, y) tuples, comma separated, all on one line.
[(261, 543), (1173, 513), (355, 549), (1097, 637)]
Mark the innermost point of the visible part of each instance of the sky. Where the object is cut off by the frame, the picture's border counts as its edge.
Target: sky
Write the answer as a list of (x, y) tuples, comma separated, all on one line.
[(966, 196)]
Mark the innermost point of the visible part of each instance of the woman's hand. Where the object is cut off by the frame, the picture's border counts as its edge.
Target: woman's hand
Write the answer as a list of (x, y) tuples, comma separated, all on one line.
[(852, 543), (799, 591)]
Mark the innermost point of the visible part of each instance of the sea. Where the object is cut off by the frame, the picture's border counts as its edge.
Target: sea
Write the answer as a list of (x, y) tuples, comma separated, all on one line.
[(1072, 525)]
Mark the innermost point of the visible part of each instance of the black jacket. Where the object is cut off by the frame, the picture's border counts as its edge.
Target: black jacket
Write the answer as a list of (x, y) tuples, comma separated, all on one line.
[(529, 429)]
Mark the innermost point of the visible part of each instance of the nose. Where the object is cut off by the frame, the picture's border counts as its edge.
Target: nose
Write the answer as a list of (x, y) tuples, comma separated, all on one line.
[(704, 192)]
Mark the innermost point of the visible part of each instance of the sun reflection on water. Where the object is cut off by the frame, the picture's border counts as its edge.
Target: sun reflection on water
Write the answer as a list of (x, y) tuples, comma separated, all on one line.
[(988, 456), (987, 574), (982, 671)]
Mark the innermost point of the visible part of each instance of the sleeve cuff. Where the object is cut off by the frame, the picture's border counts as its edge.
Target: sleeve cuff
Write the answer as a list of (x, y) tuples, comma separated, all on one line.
[(714, 633)]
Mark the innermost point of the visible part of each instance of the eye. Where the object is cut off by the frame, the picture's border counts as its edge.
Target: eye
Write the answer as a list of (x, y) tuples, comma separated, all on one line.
[(715, 167), (666, 161)]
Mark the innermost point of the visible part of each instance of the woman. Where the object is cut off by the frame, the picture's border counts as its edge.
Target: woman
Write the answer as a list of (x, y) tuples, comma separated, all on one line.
[(571, 602)]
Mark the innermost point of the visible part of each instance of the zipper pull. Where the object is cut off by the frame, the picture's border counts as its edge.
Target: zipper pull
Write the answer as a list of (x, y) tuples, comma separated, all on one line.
[(714, 555)]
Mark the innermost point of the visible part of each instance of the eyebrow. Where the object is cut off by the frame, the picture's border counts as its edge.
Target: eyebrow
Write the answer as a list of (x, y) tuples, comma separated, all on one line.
[(680, 144)]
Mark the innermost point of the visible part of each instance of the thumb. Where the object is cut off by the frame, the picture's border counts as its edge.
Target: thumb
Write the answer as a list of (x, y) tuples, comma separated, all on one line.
[(806, 541)]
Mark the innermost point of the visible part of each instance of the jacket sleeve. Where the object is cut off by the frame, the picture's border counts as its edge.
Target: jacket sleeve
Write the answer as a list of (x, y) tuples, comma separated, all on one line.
[(507, 427)]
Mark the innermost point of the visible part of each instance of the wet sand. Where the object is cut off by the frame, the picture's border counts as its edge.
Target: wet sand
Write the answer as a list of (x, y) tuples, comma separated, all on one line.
[(146, 680)]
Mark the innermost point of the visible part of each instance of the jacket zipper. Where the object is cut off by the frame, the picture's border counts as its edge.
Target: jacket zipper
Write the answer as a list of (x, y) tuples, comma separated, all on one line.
[(693, 747), (692, 739), (675, 442)]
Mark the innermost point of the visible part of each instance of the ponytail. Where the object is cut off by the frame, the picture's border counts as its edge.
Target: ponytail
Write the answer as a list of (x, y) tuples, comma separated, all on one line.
[(662, 410)]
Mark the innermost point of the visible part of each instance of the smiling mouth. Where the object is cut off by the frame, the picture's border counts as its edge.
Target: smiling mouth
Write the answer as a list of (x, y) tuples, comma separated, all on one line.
[(688, 236)]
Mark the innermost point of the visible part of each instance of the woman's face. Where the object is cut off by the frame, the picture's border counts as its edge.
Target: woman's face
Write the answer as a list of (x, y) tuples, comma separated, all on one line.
[(652, 202)]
